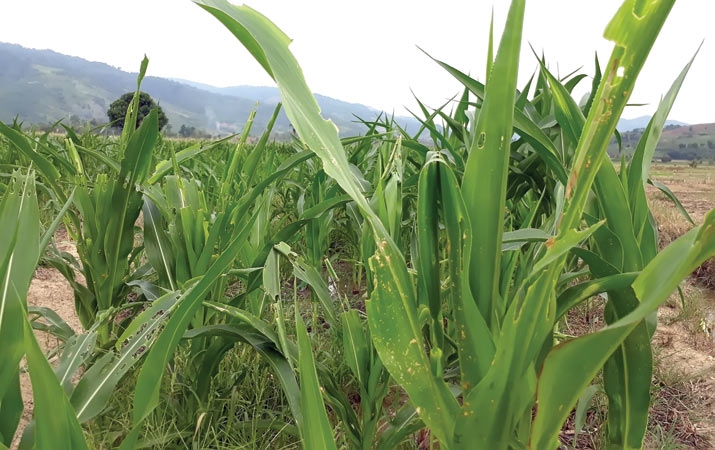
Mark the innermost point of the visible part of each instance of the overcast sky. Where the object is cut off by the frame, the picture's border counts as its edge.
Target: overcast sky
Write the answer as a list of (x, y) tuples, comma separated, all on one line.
[(365, 51)]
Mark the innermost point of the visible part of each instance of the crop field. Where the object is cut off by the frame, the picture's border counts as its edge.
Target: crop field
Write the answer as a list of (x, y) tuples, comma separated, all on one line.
[(502, 284)]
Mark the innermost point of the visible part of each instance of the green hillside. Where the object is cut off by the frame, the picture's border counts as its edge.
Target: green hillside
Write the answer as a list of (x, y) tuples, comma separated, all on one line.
[(677, 142), (42, 86)]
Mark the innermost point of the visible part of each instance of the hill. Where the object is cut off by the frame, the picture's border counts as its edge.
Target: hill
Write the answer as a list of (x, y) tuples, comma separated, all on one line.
[(641, 122), (338, 110), (677, 142), (42, 86)]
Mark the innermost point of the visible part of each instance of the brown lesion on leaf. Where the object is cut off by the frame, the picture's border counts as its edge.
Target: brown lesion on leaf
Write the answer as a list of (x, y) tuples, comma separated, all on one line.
[(612, 74), (550, 242), (572, 183)]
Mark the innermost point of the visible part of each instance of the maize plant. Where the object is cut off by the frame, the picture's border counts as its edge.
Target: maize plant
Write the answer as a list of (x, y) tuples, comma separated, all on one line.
[(103, 207), (108, 208), (507, 384)]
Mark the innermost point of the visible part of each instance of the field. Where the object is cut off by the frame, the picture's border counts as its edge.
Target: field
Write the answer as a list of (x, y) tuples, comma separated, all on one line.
[(505, 286), (683, 387)]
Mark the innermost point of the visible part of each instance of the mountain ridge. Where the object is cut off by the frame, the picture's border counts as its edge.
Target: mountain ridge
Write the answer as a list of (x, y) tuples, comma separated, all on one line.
[(642, 122), (43, 86)]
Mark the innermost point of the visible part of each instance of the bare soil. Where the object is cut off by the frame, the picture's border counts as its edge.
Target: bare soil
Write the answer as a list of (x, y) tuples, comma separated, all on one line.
[(684, 344), (685, 363), (49, 289), (683, 404)]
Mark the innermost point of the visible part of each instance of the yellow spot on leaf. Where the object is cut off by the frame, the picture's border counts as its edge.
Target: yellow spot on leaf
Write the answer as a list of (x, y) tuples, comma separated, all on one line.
[(550, 242)]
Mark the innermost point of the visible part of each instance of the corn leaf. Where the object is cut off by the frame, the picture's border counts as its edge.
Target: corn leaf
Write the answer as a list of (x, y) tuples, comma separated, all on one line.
[(315, 430), (97, 384), (19, 253), (485, 175), (356, 346), (270, 47), (570, 366), (526, 127), (56, 425), (146, 395), (157, 244), (165, 166)]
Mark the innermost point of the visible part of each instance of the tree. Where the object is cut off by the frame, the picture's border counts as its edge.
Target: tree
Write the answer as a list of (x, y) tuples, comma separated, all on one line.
[(185, 131), (118, 110)]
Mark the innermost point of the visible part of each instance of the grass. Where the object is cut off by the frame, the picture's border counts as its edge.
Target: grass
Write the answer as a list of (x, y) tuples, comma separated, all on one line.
[(245, 410), (677, 410)]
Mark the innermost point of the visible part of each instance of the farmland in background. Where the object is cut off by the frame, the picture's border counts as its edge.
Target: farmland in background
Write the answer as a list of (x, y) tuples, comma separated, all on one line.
[(678, 142)]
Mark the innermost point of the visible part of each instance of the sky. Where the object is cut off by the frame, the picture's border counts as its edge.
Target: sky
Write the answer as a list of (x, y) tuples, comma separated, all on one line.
[(367, 51)]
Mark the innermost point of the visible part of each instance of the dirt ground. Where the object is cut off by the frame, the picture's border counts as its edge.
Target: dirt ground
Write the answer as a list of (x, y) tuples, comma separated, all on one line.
[(49, 289), (685, 340), (684, 343)]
